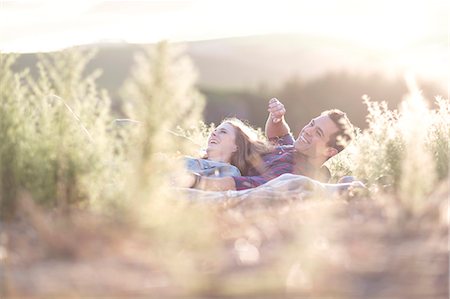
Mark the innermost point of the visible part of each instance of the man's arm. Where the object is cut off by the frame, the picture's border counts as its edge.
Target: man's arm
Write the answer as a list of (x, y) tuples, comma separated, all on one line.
[(276, 125)]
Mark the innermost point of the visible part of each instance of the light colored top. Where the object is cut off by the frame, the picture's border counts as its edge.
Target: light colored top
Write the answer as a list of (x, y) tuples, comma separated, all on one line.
[(211, 168)]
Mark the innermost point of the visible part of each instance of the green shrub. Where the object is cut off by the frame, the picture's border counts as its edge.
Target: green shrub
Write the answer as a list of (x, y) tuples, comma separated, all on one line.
[(54, 132), (161, 95)]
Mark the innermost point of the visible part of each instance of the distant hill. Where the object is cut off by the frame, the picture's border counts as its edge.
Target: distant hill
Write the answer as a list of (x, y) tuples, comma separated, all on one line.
[(249, 61), (246, 62)]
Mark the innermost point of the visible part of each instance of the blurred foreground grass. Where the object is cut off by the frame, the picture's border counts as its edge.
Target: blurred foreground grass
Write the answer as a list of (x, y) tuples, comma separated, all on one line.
[(354, 248), (87, 210)]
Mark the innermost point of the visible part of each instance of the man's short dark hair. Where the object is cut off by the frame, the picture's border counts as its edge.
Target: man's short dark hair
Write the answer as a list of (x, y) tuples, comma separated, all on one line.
[(345, 133)]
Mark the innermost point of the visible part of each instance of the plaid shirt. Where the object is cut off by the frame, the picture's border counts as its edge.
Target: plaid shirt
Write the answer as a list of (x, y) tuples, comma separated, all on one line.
[(283, 159)]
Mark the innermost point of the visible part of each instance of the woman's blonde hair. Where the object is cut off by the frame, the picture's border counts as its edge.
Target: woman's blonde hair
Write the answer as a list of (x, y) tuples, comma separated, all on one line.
[(250, 146)]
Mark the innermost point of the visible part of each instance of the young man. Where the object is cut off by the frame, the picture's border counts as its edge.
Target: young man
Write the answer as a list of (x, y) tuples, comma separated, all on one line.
[(324, 136)]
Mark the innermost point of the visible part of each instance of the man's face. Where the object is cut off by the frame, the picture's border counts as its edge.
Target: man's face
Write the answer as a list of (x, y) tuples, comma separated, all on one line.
[(313, 138)]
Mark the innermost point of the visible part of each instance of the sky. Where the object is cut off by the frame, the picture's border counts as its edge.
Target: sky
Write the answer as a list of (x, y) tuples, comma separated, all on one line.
[(28, 26), (413, 28)]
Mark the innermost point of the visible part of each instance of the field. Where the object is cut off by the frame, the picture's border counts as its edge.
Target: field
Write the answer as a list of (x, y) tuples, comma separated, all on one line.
[(88, 210)]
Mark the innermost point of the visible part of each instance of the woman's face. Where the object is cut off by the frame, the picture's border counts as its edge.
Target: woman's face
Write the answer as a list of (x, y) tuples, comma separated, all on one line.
[(221, 143)]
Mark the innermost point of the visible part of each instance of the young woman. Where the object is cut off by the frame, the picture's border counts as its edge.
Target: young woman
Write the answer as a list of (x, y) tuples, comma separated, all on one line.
[(233, 148)]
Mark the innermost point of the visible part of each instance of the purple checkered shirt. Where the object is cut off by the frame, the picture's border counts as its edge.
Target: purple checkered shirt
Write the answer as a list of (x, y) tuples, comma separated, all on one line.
[(283, 159)]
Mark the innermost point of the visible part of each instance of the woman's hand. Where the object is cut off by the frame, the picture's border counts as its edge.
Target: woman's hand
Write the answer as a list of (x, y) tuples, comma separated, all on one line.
[(184, 179)]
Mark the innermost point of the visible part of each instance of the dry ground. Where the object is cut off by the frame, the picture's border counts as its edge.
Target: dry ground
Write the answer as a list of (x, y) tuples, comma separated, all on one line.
[(340, 248)]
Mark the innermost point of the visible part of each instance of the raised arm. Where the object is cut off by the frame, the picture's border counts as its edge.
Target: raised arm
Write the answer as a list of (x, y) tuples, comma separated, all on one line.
[(276, 125)]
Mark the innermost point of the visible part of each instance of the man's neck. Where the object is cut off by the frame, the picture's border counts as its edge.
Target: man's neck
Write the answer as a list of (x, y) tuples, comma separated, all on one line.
[(314, 162)]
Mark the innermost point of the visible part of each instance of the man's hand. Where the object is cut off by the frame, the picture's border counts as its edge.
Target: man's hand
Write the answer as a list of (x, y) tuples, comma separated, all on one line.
[(276, 125), (276, 110)]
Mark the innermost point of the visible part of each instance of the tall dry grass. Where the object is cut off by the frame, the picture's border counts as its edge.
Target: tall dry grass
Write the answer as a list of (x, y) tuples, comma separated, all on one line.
[(403, 152)]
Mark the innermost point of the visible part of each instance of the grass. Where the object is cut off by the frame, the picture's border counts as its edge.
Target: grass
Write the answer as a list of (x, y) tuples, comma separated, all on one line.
[(87, 205)]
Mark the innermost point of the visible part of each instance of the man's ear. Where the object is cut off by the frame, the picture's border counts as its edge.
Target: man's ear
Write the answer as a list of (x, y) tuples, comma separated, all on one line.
[(331, 151)]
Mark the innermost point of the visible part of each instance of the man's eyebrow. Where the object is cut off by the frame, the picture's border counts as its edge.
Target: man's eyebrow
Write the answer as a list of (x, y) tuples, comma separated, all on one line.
[(320, 131)]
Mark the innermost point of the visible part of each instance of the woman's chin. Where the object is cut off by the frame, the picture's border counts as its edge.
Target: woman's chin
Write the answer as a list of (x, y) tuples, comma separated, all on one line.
[(212, 147)]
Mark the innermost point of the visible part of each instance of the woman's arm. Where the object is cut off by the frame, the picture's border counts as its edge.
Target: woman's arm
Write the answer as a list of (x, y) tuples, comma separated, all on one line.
[(213, 184)]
